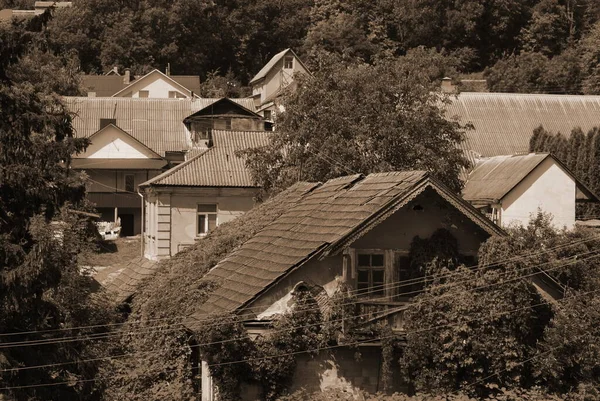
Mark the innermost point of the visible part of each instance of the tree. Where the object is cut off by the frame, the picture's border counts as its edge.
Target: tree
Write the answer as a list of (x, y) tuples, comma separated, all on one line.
[(359, 118), (548, 29), (43, 293)]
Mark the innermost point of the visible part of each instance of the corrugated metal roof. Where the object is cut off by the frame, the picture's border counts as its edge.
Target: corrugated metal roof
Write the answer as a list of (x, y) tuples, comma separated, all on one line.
[(494, 177), (265, 70), (157, 123), (218, 166), (329, 215), (504, 122)]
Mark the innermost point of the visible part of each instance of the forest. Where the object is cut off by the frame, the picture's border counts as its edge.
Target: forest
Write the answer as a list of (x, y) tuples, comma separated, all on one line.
[(538, 46)]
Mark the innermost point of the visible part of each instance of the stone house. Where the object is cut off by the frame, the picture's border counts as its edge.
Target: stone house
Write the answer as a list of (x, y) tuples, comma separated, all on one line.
[(356, 231), (509, 189)]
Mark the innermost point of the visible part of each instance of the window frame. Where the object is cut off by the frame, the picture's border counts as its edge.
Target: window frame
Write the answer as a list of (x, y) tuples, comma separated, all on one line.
[(125, 182), (146, 93), (369, 291), (228, 124), (206, 215), (288, 60)]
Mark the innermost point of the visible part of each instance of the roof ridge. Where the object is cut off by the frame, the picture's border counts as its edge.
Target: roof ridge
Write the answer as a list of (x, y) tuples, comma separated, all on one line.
[(174, 169)]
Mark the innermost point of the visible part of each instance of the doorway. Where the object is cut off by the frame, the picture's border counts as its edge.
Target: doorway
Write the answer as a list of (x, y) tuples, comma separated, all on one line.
[(126, 225)]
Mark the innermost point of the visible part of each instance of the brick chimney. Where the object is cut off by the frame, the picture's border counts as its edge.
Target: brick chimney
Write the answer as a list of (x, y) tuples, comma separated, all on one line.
[(127, 77)]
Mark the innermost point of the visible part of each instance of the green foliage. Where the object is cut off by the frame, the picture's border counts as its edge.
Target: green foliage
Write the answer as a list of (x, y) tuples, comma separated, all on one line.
[(359, 118), (42, 289)]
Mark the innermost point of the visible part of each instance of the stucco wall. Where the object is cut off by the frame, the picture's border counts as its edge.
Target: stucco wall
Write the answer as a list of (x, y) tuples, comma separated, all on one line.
[(111, 143), (172, 216), (155, 85), (549, 188), (422, 216)]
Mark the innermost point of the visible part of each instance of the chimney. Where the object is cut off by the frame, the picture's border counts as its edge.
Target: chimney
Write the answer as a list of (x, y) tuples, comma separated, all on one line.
[(127, 77), (168, 69), (447, 86), (116, 70)]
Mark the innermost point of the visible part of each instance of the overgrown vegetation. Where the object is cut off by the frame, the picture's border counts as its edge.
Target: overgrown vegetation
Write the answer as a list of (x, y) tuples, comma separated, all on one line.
[(44, 295)]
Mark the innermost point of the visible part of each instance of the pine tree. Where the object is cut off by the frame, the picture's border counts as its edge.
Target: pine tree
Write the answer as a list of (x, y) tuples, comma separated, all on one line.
[(41, 287)]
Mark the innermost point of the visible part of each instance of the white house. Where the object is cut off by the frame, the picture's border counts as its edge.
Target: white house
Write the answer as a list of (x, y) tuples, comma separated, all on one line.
[(275, 76), (188, 201), (509, 189), (155, 84)]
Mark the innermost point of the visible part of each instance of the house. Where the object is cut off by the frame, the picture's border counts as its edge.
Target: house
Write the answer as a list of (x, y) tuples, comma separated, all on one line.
[(503, 123), (6, 15), (355, 230), (509, 189), (275, 76), (155, 84), (134, 140), (189, 200)]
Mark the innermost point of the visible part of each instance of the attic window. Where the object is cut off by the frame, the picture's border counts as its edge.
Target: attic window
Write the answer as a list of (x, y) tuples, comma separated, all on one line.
[(176, 95), (418, 208), (143, 93), (200, 130), (268, 115), (288, 62), (107, 121)]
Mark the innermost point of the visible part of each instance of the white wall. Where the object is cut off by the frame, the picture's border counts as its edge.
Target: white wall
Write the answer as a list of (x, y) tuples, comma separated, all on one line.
[(112, 143), (175, 216), (155, 84), (278, 78), (548, 188)]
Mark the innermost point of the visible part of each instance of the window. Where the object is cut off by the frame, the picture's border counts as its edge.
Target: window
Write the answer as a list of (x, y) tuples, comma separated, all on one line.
[(130, 182), (288, 62), (228, 123), (370, 275), (268, 115), (143, 93), (107, 121), (176, 95), (200, 130), (207, 219)]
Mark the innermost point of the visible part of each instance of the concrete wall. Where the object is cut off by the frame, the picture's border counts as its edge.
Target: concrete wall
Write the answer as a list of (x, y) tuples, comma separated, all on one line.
[(155, 84), (549, 188), (171, 215)]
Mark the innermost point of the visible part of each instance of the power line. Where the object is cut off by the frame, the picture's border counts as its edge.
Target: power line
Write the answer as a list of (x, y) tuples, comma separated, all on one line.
[(397, 284)]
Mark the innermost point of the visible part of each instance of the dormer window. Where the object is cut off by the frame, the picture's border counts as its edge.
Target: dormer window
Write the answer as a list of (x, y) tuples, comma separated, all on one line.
[(288, 62), (200, 130)]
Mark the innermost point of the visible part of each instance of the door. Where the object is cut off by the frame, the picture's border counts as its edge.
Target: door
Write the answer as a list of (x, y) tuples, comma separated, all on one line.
[(126, 225)]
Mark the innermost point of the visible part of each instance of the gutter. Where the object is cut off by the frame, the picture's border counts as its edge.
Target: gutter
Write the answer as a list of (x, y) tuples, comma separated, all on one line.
[(142, 243)]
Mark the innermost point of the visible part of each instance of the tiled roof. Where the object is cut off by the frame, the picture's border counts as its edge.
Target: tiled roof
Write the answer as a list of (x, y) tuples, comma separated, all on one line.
[(218, 166), (504, 122), (494, 177), (267, 67), (157, 123), (191, 82), (322, 222), (122, 281)]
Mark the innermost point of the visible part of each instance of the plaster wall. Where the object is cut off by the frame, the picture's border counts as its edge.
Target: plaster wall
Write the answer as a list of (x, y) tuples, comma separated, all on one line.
[(114, 144), (114, 180), (421, 217), (172, 216), (278, 78), (548, 188), (155, 84)]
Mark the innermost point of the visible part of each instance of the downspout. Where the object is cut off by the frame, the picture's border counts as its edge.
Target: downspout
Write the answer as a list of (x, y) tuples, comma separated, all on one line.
[(142, 242)]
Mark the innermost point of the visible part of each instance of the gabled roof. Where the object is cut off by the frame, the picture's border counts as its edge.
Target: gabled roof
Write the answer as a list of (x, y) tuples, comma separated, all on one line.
[(503, 123), (493, 178), (167, 78), (215, 107), (218, 166), (322, 222), (157, 123), (112, 126), (274, 60), (111, 83)]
